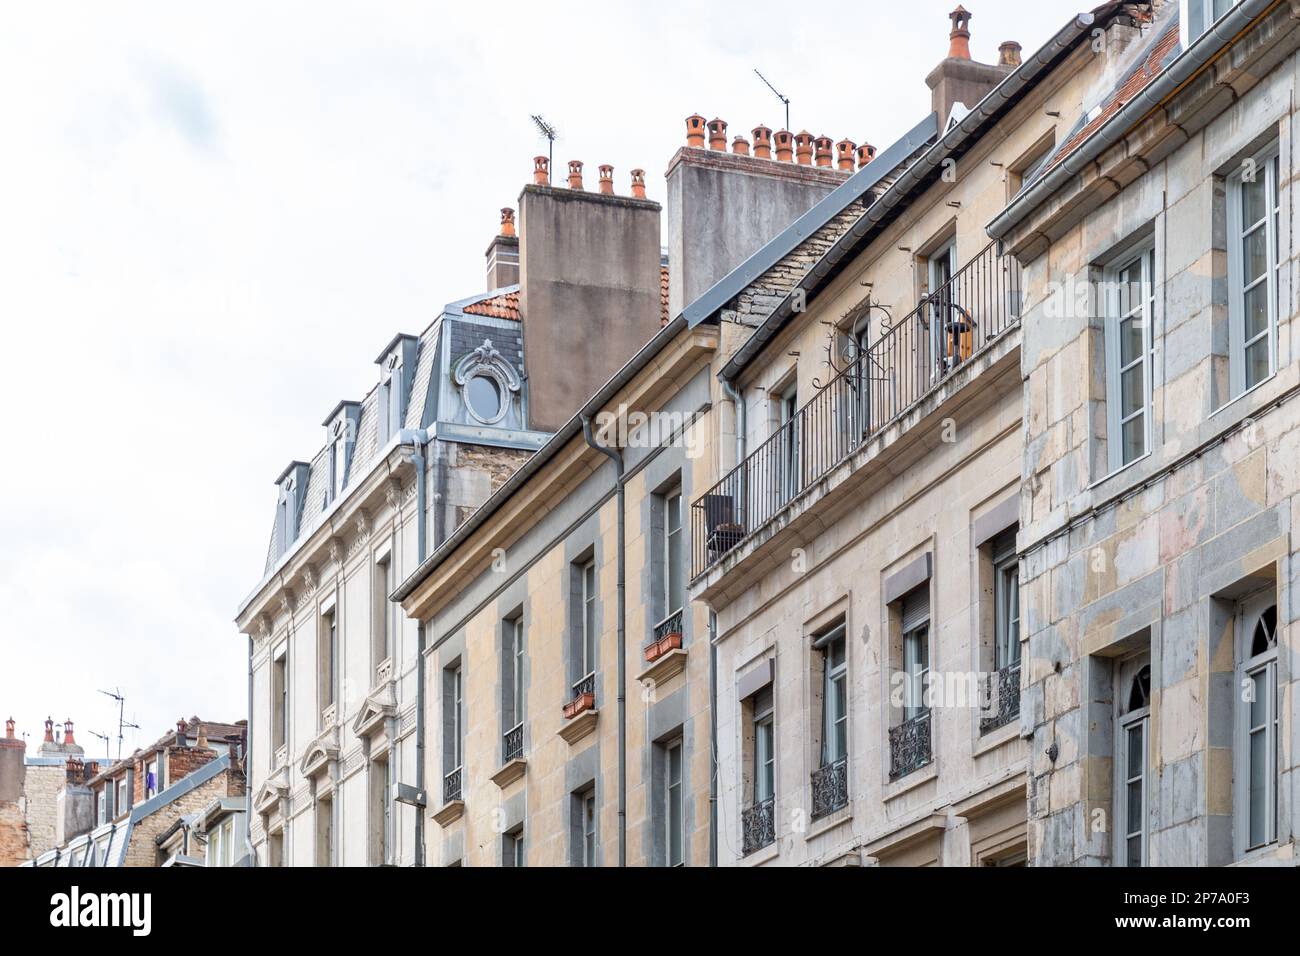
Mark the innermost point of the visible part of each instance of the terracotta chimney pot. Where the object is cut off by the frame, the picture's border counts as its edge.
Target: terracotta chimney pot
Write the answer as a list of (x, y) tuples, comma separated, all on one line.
[(67, 732), (740, 146), (718, 135), (823, 144), (844, 154), (959, 38), (1009, 53), (9, 728), (605, 180), (575, 174), (638, 184), (49, 731), (803, 148), (784, 146), (541, 171), (695, 131), (507, 222), (762, 142), (866, 153)]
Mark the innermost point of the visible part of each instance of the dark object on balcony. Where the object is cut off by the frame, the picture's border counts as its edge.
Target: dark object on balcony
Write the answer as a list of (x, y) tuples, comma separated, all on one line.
[(667, 637), (514, 744), (451, 786), (1004, 698), (758, 826), (830, 787), (584, 697), (909, 746)]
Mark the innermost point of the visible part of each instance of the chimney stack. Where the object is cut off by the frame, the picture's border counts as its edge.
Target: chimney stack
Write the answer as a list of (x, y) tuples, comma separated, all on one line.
[(503, 254), (9, 728), (958, 78), (67, 733), (638, 184), (695, 131), (541, 171), (762, 142), (49, 731), (180, 732), (575, 174), (718, 135), (1009, 54), (606, 181), (740, 146)]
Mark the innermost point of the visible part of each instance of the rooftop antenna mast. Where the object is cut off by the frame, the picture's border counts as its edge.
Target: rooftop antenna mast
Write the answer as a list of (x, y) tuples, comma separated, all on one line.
[(106, 738), (122, 722), (550, 134), (779, 95)]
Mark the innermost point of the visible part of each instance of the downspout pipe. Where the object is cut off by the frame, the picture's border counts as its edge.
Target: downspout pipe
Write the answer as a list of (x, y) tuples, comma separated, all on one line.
[(617, 459), (713, 738), (419, 442), (1206, 48)]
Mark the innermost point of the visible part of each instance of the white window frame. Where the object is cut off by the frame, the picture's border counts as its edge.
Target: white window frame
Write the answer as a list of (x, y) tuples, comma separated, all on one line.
[(916, 669), (157, 778), (834, 674), (1143, 256), (1138, 720), (1197, 16), (1006, 601), (675, 803), (1263, 165), (515, 652), (514, 854), (589, 827), (764, 749), (1249, 613)]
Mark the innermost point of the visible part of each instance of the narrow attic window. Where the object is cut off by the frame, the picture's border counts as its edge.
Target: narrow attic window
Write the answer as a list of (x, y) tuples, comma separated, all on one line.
[(342, 424), (396, 372)]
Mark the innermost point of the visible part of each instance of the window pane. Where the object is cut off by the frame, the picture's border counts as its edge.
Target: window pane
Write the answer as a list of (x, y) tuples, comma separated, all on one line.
[(1134, 851), (1254, 200), (1257, 363), (1255, 312), (1136, 753), (1134, 819), (1258, 787), (1132, 390), (1259, 701), (1130, 340)]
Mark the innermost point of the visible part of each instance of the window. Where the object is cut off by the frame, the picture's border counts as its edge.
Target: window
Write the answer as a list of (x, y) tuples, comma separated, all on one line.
[(324, 832), (484, 397), (101, 805), (835, 702), (151, 782), (221, 844), (453, 731), (764, 746), (275, 848), (1023, 170), (1129, 316), (916, 652), (280, 701), (1254, 269), (1257, 734), (512, 686), (329, 652), (121, 804), (587, 664), (787, 405), (583, 827), (1134, 699), (1006, 601), (381, 809), (386, 610), (674, 804), (513, 848), (1199, 15), (674, 572)]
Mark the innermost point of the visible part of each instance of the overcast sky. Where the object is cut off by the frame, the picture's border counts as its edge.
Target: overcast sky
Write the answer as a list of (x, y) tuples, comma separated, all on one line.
[(214, 215)]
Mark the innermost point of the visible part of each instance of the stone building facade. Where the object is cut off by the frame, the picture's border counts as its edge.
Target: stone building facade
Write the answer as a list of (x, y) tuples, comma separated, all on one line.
[(1159, 484)]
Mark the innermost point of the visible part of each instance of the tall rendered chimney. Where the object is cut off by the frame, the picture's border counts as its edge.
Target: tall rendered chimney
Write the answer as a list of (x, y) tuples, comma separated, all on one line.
[(503, 254), (960, 79)]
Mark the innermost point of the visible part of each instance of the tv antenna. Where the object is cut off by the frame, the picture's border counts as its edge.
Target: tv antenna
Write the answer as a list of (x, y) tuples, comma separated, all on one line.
[(779, 95), (550, 134), (122, 722), (106, 738)]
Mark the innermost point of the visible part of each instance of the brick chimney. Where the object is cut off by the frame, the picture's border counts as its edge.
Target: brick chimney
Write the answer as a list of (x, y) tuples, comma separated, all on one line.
[(503, 254), (589, 288), (958, 78)]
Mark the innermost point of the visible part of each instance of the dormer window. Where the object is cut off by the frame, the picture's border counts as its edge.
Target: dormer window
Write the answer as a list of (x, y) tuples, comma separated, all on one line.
[(487, 383), (1199, 15), (342, 424), (292, 484), (396, 371)]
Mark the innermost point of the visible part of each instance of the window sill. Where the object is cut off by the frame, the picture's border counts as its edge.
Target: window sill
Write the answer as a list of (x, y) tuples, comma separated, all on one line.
[(576, 728), (512, 771), (832, 821), (995, 739), (664, 668), (449, 813), (764, 855), (918, 777)]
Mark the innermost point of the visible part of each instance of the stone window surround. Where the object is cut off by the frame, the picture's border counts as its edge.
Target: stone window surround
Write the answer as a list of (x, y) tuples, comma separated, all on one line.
[(840, 607), (897, 580), (1000, 514)]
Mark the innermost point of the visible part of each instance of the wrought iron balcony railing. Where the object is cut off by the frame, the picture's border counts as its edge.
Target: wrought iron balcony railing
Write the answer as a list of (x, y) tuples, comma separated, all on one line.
[(758, 825), (830, 787), (672, 624), (513, 744), (1004, 698), (585, 685), (909, 745), (451, 786), (909, 359)]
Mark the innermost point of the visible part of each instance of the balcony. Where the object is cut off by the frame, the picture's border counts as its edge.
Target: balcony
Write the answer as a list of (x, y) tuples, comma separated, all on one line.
[(909, 746), (830, 787), (1003, 698), (580, 712), (911, 359), (451, 786), (758, 826), (512, 744)]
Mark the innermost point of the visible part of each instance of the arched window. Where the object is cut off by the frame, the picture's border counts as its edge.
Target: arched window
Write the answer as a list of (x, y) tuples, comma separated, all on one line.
[(1255, 766), (1132, 743)]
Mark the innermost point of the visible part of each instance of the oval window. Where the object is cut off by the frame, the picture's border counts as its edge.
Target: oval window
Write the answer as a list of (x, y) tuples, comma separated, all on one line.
[(484, 397)]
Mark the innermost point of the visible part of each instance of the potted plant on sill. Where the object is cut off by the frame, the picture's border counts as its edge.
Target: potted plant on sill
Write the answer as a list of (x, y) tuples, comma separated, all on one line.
[(583, 702)]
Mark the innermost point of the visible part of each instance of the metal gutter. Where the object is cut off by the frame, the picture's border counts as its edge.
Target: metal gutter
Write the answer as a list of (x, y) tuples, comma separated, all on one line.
[(621, 563), (570, 430), (835, 202), (930, 165), (1193, 59)]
